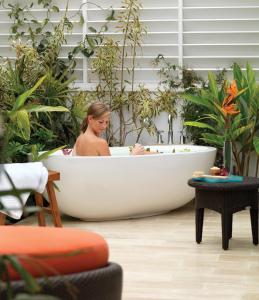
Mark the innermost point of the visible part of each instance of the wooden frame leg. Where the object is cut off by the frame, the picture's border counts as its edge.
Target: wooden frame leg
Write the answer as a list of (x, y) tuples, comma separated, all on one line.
[(230, 226), (254, 224), (199, 215), (40, 214), (53, 204), (2, 218), (225, 223)]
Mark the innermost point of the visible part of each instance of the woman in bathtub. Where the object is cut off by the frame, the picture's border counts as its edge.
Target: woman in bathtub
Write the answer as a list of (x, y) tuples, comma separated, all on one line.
[(89, 142)]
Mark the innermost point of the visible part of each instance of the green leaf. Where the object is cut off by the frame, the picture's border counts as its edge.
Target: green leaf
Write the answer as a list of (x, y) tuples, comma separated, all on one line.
[(34, 153), (213, 85), (22, 98), (199, 100), (217, 118), (5, 274), (90, 41), (31, 284), (237, 121), (82, 20), (104, 28), (44, 108), (92, 29), (256, 144), (241, 92), (238, 76), (46, 154), (111, 16), (38, 30), (199, 125), (251, 80), (55, 8), (236, 133), (213, 139), (21, 119), (35, 297)]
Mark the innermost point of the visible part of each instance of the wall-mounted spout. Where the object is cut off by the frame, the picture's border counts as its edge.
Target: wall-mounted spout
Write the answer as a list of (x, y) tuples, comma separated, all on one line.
[(159, 139), (170, 122), (170, 136), (182, 138)]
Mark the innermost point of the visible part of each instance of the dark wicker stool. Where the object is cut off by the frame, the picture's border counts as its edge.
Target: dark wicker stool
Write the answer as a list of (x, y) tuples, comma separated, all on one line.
[(99, 284), (226, 198)]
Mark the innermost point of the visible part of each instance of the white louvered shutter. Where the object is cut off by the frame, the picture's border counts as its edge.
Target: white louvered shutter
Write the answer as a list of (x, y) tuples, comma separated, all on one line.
[(199, 34)]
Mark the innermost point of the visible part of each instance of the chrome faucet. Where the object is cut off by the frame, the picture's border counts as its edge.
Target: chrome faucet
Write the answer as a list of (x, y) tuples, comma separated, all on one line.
[(182, 137), (159, 137), (170, 135)]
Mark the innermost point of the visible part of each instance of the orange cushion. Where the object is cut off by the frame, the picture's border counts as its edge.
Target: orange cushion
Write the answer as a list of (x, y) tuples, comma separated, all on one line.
[(51, 251)]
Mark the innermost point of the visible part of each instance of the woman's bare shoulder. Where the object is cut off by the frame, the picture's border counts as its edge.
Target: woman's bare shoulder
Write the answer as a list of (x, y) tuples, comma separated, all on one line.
[(103, 147), (101, 141)]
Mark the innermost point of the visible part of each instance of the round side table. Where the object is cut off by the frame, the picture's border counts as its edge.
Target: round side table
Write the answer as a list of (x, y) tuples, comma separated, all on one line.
[(226, 198)]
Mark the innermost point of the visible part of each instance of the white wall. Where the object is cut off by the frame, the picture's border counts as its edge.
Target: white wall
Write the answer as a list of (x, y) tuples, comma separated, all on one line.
[(199, 34), (202, 34)]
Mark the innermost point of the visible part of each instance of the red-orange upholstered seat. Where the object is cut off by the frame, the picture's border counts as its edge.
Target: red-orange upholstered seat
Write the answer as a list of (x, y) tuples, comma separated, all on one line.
[(52, 251)]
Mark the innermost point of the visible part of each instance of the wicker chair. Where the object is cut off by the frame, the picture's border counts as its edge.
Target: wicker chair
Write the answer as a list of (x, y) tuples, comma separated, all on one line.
[(99, 284), (71, 260)]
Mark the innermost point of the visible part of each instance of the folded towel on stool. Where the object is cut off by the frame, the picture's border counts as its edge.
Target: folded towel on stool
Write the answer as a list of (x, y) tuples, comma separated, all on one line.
[(217, 179), (32, 176)]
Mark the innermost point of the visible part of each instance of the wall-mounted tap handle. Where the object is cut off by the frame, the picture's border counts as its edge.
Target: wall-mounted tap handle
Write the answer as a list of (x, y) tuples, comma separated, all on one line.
[(170, 122), (182, 137), (160, 137), (170, 137)]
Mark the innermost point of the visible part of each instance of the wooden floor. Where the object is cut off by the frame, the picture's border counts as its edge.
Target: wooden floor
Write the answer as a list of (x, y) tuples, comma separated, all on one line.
[(161, 260)]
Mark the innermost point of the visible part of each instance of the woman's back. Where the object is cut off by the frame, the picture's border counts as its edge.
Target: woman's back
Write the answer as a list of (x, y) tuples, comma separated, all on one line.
[(90, 145)]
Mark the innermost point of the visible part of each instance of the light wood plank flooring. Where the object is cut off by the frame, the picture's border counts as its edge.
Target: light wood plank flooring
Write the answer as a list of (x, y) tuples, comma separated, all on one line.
[(161, 260)]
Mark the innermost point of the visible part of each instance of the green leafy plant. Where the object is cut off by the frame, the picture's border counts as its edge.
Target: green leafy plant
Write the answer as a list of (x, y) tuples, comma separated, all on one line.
[(32, 287), (17, 112), (132, 104), (181, 80), (243, 129), (191, 111), (37, 45)]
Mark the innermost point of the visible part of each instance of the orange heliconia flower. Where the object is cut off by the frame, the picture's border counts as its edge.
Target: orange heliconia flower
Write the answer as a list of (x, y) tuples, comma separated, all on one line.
[(230, 110), (228, 107)]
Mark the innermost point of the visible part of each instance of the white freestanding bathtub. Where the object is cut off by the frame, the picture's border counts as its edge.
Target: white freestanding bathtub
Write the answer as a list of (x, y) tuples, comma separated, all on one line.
[(125, 186)]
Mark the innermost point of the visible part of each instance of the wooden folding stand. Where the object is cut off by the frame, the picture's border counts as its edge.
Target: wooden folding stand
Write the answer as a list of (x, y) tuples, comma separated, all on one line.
[(2, 218), (53, 205)]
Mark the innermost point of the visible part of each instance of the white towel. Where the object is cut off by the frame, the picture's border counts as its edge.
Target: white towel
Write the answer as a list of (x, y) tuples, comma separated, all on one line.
[(33, 176)]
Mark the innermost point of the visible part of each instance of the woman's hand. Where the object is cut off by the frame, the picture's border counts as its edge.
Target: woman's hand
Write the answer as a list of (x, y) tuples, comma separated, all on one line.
[(138, 149)]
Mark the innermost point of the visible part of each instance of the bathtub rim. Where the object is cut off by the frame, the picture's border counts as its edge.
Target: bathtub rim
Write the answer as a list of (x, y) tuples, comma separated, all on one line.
[(205, 150)]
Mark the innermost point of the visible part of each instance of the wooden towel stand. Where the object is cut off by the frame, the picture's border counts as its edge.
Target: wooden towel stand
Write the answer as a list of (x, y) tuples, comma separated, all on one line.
[(53, 205)]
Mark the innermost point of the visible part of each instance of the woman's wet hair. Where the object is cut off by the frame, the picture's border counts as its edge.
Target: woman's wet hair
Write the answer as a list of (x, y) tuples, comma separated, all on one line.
[(97, 110)]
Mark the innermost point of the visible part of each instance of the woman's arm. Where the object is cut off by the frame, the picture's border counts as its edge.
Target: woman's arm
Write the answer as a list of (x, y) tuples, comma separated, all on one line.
[(138, 149), (103, 148)]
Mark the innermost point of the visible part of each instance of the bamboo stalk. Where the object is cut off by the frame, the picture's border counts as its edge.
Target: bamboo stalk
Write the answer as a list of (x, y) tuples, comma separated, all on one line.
[(250, 148), (257, 166), (243, 159), (121, 116), (139, 134), (236, 157)]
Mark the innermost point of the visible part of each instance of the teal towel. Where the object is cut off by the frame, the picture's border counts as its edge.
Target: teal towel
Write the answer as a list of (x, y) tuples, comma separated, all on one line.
[(231, 178)]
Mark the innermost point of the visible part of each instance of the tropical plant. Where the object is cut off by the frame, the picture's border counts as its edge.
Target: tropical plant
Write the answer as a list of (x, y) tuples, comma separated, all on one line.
[(191, 111), (235, 121), (37, 45), (11, 260), (34, 78), (17, 114), (133, 105)]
